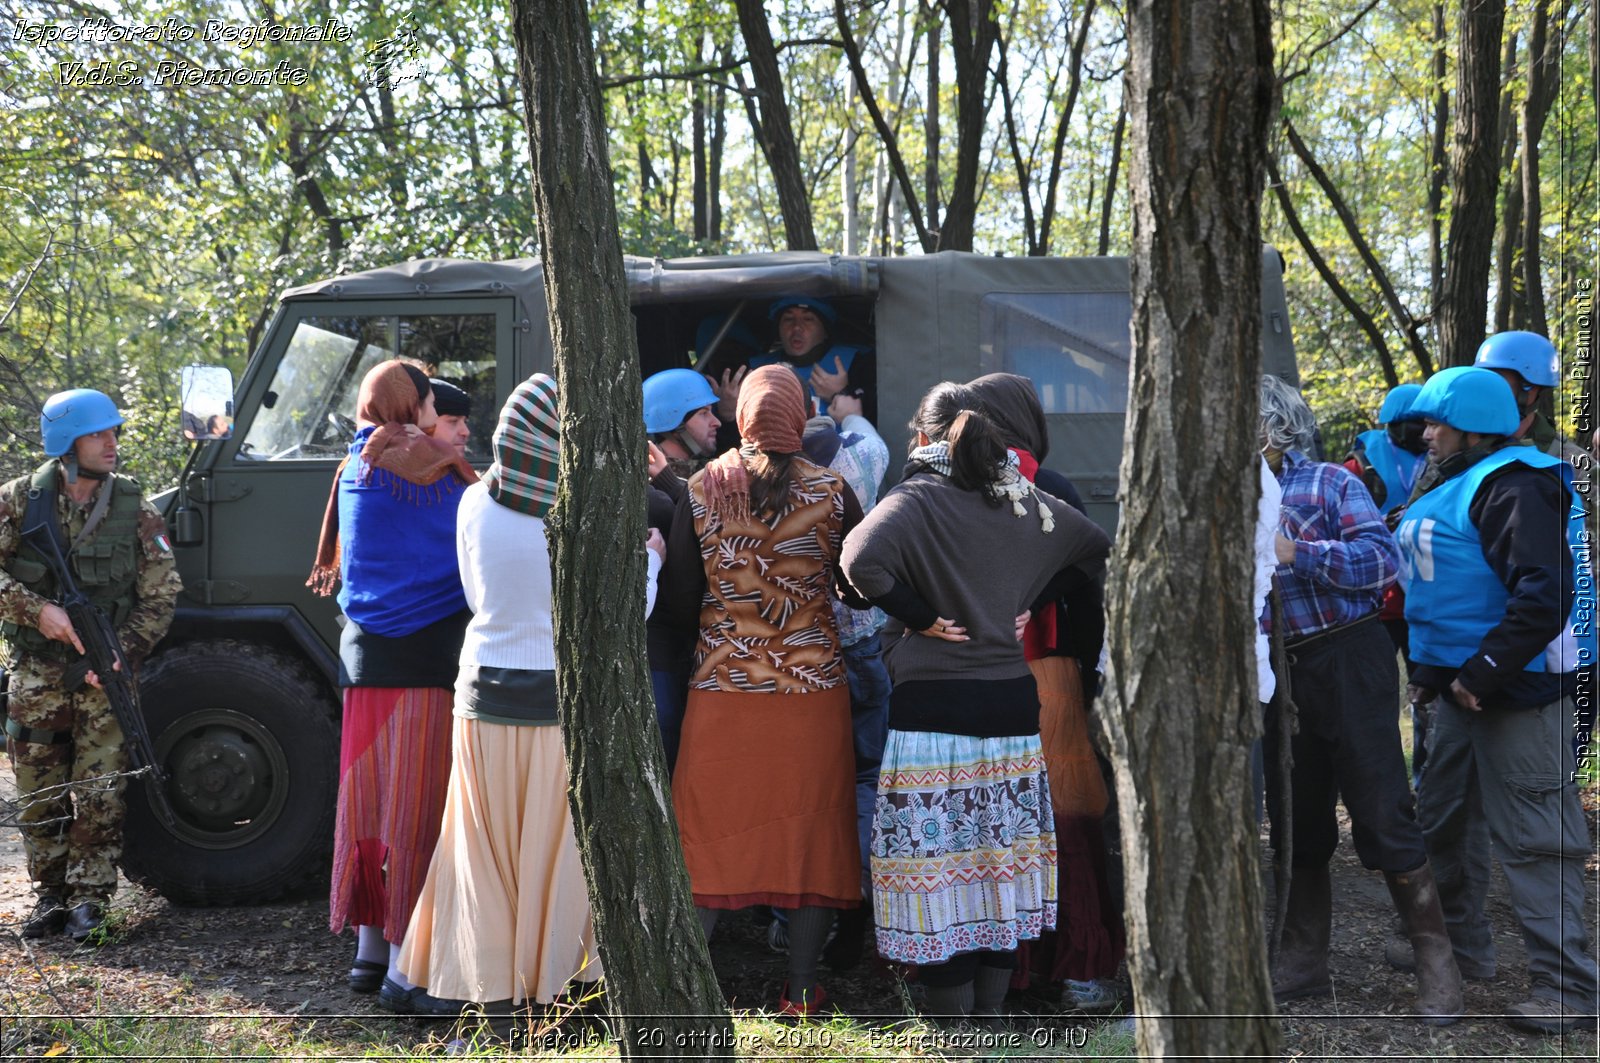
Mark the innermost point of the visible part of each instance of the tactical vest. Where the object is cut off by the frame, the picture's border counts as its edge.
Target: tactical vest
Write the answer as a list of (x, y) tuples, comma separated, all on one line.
[(1453, 597), (1396, 468), (106, 567), (846, 356)]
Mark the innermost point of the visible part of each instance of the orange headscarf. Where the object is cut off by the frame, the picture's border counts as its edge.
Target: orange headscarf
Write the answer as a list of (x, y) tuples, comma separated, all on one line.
[(772, 419)]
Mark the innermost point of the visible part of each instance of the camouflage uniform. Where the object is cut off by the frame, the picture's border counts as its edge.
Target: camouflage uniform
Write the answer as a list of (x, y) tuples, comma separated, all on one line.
[(71, 818)]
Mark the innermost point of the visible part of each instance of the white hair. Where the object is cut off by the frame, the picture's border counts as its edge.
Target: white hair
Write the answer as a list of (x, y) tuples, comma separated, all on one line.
[(1286, 421)]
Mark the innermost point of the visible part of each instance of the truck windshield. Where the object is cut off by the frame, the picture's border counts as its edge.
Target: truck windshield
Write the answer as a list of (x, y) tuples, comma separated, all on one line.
[(309, 411)]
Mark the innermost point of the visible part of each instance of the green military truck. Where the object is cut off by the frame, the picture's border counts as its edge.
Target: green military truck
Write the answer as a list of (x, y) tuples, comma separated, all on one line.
[(241, 697)]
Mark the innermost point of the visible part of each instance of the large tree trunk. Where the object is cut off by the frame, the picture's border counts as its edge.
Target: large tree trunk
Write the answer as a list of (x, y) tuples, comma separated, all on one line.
[(1509, 307), (775, 132), (1437, 162), (972, 35), (1544, 58), (1474, 179), (1182, 709), (654, 953)]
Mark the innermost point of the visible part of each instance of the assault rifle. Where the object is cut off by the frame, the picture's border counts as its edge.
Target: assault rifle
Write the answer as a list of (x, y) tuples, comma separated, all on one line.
[(102, 653)]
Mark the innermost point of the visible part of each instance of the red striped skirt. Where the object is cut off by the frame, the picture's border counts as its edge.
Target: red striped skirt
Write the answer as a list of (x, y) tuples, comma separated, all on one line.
[(394, 765)]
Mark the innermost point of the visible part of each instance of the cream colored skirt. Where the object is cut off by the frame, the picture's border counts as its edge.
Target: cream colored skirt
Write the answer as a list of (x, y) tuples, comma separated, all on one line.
[(504, 913)]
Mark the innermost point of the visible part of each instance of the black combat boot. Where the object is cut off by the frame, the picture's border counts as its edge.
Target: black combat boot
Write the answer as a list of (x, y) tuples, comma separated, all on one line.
[(49, 915), (1416, 898), (1302, 967), (84, 919)]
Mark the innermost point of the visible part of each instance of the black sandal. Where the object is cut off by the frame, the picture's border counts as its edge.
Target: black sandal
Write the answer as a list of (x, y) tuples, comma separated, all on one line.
[(367, 975)]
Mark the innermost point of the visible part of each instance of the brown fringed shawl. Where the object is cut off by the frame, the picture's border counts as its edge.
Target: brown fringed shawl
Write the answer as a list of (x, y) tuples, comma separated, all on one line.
[(772, 420)]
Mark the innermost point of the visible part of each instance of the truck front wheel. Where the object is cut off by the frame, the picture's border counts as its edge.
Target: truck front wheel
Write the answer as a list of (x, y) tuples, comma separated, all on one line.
[(249, 739)]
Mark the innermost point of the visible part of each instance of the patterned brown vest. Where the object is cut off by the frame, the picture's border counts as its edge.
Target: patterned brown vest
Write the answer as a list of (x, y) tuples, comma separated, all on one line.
[(766, 621)]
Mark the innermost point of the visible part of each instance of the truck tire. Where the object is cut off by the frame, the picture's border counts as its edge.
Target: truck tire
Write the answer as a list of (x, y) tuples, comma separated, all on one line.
[(249, 739)]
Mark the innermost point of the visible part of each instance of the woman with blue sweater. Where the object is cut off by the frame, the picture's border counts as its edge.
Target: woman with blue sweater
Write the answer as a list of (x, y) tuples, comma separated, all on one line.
[(389, 537)]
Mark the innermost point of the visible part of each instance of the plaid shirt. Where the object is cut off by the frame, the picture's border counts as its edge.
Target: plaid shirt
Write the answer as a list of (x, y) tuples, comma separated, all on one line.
[(1344, 555)]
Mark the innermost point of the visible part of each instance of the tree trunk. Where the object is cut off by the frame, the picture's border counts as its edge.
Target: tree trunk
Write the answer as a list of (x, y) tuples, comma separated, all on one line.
[(1437, 162), (1380, 347), (930, 120), (1181, 707), (1509, 307), (1474, 181), (776, 133), (1104, 246), (1544, 57), (972, 34), (849, 188), (654, 953), (697, 123), (1047, 209)]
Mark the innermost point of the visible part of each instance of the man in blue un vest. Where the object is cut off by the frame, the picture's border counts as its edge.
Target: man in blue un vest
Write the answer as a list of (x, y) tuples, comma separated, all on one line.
[(1500, 602)]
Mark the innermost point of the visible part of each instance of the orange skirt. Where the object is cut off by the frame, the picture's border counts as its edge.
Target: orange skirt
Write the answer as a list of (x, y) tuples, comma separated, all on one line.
[(764, 793), (1076, 786)]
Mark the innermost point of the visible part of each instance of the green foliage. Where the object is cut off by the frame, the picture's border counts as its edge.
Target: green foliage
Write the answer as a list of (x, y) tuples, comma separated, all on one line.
[(155, 226)]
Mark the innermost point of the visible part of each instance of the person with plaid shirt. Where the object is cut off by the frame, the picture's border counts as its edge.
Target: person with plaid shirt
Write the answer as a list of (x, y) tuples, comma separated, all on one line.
[(1335, 559)]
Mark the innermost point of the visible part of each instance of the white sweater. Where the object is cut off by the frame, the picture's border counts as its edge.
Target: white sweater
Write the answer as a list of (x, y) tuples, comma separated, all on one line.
[(505, 572)]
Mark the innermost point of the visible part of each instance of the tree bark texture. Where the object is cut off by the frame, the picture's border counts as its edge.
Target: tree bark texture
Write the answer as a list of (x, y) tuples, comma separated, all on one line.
[(1462, 313), (776, 132), (1438, 164), (972, 36), (1509, 305), (1182, 709), (1544, 57), (659, 980)]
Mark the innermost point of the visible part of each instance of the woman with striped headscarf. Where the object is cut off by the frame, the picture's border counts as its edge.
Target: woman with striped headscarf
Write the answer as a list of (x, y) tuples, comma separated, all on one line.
[(504, 917)]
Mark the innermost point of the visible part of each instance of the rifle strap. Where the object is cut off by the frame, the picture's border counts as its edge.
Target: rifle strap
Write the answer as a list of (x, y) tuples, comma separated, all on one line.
[(102, 506), (37, 735)]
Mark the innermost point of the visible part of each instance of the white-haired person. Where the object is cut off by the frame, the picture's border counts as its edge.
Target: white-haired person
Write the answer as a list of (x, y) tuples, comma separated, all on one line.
[(1335, 559)]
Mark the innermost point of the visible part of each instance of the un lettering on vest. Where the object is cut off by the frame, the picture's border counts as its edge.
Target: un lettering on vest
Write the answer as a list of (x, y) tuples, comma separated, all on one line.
[(1416, 550)]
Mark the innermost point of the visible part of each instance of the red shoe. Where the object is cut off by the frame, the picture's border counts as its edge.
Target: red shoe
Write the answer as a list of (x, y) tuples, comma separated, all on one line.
[(801, 1009)]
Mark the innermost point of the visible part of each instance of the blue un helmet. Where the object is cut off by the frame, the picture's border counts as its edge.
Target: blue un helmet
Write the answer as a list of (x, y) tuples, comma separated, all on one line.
[(1527, 353), (821, 307), (1397, 404), (1469, 399), (70, 414), (672, 395)]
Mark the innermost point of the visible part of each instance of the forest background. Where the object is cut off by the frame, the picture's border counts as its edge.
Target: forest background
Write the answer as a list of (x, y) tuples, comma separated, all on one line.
[(150, 226)]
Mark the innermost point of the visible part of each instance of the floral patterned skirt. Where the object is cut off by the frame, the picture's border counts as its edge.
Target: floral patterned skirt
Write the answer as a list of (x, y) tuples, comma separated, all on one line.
[(963, 846)]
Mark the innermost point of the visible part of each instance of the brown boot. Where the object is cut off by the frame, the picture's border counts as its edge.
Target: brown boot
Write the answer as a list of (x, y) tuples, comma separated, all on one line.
[(1302, 967), (1416, 898)]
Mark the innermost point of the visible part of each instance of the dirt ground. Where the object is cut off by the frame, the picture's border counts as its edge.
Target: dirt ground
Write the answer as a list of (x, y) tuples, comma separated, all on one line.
[(212, 967)]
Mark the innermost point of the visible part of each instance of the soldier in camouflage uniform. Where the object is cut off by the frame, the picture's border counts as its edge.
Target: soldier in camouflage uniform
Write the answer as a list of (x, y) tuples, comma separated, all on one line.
[(65, 744)]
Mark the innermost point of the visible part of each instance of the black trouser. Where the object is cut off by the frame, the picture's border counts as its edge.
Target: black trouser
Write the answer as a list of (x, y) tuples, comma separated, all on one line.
[(1344, 684), (958, 970)]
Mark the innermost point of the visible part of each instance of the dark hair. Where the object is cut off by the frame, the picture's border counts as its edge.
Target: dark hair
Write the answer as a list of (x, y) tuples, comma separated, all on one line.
[(938, 410), (976, 450), (770, 477), (952, 413)]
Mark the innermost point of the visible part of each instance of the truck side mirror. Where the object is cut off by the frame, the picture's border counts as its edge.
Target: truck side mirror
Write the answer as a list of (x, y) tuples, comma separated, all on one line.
[(206, 393)]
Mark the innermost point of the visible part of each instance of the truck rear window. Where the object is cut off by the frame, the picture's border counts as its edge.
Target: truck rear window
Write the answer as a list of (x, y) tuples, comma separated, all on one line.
[(1073, 346)]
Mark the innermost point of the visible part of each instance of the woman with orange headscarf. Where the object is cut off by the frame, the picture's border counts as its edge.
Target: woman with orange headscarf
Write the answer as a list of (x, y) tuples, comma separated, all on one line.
[(765, 783), (389, 537)]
